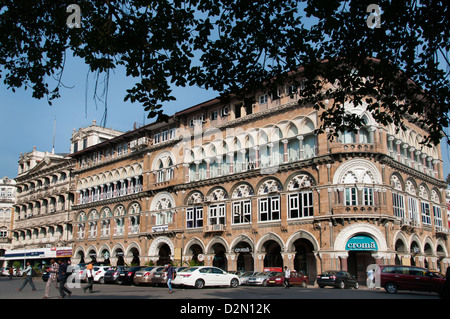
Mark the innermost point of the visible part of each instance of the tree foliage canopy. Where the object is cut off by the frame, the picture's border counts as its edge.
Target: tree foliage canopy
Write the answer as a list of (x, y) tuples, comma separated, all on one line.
[(237, 47)]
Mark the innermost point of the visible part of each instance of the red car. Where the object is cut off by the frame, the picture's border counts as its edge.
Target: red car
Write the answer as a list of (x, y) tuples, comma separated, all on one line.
[(396, 277), (297, 278)]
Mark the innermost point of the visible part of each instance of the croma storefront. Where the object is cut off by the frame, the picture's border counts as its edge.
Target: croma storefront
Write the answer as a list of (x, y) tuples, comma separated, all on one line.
[(359, 246)]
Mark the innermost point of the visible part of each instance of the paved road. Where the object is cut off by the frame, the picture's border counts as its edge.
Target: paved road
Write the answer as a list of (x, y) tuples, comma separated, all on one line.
[(8, 290)]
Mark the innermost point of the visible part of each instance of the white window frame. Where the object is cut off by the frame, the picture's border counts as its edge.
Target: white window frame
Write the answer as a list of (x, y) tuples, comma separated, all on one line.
[(269, 206), (398, 205), (437, 214), (426, 213), (195, 216), (413, 209), (302, 203), (368, 196), (351, 196), (216, 214), (263, 99), (242, 212)]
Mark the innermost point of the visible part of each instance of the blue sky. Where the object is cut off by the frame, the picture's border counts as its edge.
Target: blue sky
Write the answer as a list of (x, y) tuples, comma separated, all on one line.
[(27, 122)]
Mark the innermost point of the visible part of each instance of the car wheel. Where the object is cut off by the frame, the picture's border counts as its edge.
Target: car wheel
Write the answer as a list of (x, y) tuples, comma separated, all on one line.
[(265, 283), (234, 283), (101, 280), (321, 286), (391, 288), (199, 283), (304, 285), (341, 285), (356, 285)]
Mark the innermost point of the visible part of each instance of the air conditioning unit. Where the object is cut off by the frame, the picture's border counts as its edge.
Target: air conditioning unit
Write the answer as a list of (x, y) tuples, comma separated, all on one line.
[(142, 141), (133, 144)]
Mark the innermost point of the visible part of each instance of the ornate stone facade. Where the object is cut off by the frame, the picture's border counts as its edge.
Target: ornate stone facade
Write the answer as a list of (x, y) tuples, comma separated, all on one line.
[(254, 187)]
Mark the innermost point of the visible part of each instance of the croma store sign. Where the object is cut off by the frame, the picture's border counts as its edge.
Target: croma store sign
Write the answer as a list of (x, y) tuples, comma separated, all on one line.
[(361, 242)]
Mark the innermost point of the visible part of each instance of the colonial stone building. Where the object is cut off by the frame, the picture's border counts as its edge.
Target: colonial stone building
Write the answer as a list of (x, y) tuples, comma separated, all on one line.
[(250, 187), (7, 196), (42, 224)]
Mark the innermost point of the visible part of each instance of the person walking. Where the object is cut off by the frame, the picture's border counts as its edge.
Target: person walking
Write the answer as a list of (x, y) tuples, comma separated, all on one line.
[(53, 278), (170, 276), (90, 277), (287, 275), (11, 273), (28, 278), (62, 277)]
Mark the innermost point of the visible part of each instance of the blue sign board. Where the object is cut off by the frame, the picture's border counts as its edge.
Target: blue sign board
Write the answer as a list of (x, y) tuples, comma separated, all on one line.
[(361, 242)]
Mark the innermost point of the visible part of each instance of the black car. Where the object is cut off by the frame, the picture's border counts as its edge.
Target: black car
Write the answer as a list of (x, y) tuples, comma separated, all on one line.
[(112, 275), (127, 277), (338, 279)]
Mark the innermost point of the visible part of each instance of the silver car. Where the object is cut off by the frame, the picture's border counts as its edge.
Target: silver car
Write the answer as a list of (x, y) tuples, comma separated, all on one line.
[(261, 278), (246, 275)]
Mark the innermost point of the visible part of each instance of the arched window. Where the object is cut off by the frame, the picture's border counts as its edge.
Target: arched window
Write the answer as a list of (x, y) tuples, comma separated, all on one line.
[(242, 204), (194, 211), (81, 224), (93, 218), (105, 216), (162, 209), (424, 198), (413, 205), (134, 218), (269, 202), (437, 212), (300, 198), (119, 220), (217, 207)]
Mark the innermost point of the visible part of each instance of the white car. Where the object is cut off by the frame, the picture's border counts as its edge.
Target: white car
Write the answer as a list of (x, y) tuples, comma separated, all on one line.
[(202, 276), (99, 273)]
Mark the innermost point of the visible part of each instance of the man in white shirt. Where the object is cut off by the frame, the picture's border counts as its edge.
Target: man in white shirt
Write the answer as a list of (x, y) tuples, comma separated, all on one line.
[(29, 278), (287, 275)]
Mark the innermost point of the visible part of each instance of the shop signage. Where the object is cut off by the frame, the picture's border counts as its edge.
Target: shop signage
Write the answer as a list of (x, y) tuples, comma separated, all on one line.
[(160, 228), (361, 242)]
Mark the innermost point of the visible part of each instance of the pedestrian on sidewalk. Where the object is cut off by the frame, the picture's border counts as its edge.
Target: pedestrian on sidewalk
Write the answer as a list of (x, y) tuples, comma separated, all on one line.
[(28, 278), (11, 273), (62, 277), (90, 277), (287, 275), (170, 276), (53, 278)]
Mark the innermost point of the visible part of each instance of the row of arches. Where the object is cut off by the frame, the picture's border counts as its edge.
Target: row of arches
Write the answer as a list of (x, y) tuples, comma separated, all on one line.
[(111, 176)]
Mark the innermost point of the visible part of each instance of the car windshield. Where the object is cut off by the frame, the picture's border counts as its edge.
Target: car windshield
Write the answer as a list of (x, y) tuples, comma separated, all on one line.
[(259, 274)]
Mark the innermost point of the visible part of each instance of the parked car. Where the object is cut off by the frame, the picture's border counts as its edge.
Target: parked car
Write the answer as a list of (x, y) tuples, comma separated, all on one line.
[(99, 273), (296, 278), (202, 276), (245, 276), (394, 278), (145, 275), (160, 276), (128, 276), (112, 275), (338, 279), (262, 278)]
